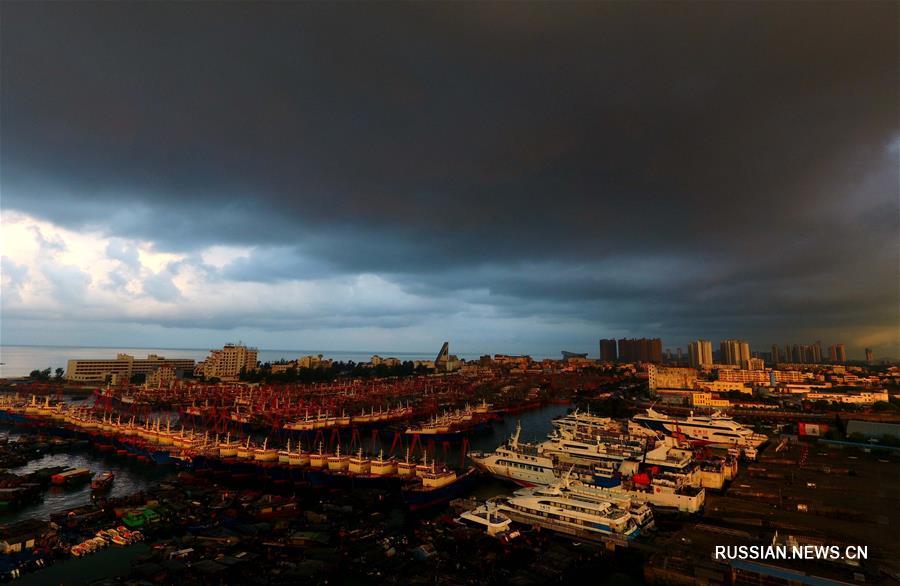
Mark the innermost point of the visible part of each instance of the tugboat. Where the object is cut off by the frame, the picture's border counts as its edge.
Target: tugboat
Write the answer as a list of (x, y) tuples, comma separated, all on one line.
[(102, 482), (436, 487)]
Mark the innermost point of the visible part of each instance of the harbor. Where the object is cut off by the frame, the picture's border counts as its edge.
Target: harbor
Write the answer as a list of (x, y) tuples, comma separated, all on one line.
[(611, 493)]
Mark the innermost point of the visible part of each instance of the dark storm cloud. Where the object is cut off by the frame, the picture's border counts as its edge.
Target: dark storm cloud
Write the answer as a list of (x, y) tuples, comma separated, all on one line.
[(678, 168)]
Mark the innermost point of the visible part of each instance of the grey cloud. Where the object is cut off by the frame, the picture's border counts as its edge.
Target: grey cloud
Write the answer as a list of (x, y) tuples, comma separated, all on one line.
[(13, 277), (51, 245), (161, 287), (68, 283), (674, 169), (123, 252)]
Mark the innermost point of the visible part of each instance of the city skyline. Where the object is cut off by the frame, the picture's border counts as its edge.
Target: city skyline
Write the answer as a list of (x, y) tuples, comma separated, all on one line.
[(520, 181)]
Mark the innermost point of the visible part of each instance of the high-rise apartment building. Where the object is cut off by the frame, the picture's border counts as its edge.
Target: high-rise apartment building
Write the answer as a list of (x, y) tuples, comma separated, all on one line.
[(736, 352), (608, 351), (640, 350), (837, 353), (870, 356), (776, 354), (700, 354), (227, 363), (816, 350)]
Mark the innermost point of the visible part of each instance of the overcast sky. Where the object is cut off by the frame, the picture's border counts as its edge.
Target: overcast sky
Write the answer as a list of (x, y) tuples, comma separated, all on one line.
[(511, 177)]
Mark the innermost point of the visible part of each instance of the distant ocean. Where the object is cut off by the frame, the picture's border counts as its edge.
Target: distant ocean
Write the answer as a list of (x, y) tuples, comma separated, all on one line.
[(21, 360)]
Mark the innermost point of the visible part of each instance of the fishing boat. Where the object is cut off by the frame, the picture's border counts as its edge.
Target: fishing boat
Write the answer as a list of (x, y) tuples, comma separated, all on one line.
[(298, 458), (284, 456), (306, 424), (245, 452), (318, 460), (406, 468), (265, 454), (381, 467), (102, 481), (451, 424), (358, 464), (436, 487), (228, 448), (337, 462)]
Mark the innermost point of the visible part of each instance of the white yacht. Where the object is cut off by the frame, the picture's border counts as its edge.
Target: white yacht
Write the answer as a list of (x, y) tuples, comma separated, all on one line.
[(486, 517), (586, 425), (716, 429)]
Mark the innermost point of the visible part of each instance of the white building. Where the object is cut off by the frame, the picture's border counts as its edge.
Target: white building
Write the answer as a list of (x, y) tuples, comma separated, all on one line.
[(227, 363)]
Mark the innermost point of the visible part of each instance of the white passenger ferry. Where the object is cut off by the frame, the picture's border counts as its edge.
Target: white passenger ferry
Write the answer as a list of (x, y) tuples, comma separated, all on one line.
[(565, 512), (520, 462)]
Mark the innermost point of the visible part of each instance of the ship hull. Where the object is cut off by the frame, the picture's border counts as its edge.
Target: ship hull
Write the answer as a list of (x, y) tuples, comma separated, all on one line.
[(417, 499)]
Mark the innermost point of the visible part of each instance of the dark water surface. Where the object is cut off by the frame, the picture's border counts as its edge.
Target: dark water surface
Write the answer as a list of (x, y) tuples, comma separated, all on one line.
[(133, 476)]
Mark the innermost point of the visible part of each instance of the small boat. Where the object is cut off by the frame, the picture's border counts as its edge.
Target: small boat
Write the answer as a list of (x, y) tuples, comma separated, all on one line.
[(103, 481), (71, 476), (485, 517), (133, 519)]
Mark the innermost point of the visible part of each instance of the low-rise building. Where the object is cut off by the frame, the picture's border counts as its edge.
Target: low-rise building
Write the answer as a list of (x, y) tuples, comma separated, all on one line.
[(699, 399), (720, 386), (667, 377), (857, 398), (122, 367), (22, 536)]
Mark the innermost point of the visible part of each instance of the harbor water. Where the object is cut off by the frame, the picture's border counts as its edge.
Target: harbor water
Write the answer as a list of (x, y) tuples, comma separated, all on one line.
[(132, 477)]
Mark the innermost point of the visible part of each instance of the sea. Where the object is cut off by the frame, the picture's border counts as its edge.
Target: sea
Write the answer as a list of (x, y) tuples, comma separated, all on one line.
[(20, 360)]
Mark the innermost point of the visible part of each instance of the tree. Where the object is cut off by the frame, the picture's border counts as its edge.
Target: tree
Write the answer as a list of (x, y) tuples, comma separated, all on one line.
[(59, 373), (138, 378), (41, 375)]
